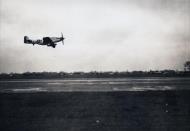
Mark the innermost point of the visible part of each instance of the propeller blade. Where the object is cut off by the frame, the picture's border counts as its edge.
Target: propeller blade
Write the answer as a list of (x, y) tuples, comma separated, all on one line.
[(63, 41), (61, 34), (62, 38)]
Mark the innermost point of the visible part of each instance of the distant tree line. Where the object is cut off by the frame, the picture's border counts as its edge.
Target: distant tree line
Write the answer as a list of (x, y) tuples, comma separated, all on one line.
[(187, 66), (94, 74)]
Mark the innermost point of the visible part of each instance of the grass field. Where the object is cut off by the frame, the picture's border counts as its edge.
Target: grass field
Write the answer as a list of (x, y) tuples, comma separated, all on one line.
[(95, 111)]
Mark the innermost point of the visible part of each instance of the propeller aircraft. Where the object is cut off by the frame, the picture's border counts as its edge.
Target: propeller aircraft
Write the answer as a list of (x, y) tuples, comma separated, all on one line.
[(49, 41)]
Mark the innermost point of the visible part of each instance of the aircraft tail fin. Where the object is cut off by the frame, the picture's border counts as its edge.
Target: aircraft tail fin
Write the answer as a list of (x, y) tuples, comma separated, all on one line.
[(26, 38)]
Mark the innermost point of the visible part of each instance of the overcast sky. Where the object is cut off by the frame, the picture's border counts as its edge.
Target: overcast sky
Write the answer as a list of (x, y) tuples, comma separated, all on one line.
[(101, 35)]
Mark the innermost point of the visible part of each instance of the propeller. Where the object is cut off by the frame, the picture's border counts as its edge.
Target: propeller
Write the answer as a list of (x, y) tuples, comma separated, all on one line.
[(62, 38)]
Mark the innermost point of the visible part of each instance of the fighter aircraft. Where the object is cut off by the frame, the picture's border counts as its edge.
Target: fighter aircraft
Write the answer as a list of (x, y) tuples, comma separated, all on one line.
[(49, 41)]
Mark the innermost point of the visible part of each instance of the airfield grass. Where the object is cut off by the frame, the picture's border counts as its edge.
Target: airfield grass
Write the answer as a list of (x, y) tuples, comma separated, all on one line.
[(95, 111)]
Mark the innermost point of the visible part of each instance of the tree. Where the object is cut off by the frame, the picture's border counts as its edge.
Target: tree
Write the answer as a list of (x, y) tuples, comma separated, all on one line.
[(187, 66)]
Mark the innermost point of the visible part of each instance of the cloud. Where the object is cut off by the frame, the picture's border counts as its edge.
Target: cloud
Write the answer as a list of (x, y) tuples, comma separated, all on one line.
[(100, 35)]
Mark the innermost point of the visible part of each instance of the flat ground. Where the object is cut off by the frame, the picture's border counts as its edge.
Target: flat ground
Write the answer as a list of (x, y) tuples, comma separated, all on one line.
[(95, 111)]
